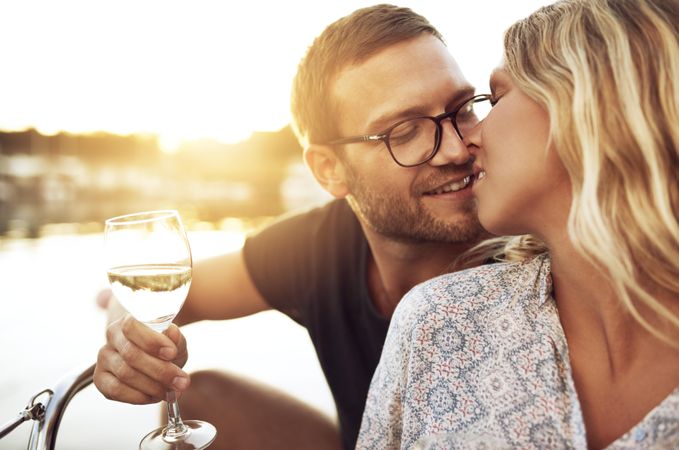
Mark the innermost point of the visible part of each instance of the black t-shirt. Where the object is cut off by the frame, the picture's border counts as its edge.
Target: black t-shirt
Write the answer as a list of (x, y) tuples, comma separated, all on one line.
[(312, 267)]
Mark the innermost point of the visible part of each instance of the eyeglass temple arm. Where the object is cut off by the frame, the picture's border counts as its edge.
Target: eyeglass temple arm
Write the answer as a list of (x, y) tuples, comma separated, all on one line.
[(349, 140)]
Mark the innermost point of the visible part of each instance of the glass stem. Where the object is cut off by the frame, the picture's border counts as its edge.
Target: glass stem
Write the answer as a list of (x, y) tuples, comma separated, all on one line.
[(175, 427)]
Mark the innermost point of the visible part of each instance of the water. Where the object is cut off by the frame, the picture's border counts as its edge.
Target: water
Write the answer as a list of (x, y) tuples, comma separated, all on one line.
[(50, 325)]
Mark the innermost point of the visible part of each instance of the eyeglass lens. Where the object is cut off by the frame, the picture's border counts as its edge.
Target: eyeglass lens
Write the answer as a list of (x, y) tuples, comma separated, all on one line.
[(414, 141), (471, 113)]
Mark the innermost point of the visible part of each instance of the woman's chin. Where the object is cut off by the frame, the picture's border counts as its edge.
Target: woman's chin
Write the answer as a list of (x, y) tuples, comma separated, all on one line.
[(500, 224)]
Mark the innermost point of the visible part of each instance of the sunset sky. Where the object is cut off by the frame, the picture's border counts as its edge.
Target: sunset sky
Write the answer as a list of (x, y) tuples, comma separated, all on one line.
[(192, 69)]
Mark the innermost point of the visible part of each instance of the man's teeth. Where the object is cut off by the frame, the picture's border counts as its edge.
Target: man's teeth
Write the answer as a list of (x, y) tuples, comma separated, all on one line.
[(452, 187), (481, 175)]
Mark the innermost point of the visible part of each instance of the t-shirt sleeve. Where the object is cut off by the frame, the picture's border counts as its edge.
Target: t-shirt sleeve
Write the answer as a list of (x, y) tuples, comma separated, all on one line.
[(281, 259)]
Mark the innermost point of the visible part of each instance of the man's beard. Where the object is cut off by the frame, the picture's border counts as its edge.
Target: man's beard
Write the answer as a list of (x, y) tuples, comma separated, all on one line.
[(408, 220)]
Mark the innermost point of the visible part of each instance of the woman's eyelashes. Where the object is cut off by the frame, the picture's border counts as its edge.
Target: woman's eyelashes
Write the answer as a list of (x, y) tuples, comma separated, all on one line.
[(496, 93)]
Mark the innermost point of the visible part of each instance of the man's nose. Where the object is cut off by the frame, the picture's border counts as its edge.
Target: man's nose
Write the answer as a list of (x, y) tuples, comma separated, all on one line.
[(472, 139), (451, 149)]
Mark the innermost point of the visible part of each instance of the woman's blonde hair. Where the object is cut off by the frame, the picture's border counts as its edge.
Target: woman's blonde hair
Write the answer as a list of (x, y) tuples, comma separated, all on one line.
[(607, 73)]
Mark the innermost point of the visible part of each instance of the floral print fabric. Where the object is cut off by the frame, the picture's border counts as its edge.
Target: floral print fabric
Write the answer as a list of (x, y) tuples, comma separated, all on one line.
[(482, 351)]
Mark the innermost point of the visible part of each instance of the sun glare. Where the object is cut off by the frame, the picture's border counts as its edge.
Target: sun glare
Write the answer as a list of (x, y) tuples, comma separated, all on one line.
[(190, 70)]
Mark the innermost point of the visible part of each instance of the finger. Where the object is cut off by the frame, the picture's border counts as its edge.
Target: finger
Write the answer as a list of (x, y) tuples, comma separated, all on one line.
[(114, 389), (111, 362), (177, 337), (161, 371), (150, 341)]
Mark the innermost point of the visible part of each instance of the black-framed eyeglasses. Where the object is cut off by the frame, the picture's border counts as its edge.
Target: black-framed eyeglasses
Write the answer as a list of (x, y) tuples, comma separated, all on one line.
[(416, 140)]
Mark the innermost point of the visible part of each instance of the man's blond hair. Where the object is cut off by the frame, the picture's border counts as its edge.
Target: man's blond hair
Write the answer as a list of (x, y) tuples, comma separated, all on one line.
[(346, 42)]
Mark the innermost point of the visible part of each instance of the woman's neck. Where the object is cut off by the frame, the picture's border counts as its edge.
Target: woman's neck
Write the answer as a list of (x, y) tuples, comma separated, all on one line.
[(589, 309), (621, 371), (592, 313)]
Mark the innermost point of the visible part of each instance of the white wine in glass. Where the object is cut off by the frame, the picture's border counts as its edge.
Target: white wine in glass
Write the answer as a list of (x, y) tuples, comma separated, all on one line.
[(149, 267)]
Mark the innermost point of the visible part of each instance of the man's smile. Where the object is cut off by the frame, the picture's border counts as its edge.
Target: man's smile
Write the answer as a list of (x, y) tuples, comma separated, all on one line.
[(450, 186)]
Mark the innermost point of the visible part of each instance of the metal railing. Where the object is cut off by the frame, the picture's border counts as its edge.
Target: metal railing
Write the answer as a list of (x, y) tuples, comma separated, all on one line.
[(47, 416)]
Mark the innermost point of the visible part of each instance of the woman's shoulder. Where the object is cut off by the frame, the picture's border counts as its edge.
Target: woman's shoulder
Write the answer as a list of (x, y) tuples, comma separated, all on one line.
[(477, 290)]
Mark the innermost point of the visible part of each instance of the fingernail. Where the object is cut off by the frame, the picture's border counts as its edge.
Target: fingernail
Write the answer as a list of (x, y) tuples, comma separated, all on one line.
[(166, 353), (180, 383)]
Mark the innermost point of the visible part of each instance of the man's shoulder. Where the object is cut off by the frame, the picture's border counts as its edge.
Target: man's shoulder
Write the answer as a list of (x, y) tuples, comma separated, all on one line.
[(317, 223), (335, 213)]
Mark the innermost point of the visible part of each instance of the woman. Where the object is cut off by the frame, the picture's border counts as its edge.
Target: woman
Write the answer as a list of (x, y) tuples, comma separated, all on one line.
[(574, 341)]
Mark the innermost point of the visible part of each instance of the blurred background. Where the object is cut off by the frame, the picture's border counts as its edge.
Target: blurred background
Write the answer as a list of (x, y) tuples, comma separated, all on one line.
[(108, 108)]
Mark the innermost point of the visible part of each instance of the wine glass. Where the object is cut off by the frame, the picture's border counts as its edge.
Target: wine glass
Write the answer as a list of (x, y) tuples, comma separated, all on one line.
[(148, 260)]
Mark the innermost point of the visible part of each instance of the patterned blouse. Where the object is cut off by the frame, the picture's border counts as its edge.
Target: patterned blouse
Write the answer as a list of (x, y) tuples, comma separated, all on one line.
[(483, 352)]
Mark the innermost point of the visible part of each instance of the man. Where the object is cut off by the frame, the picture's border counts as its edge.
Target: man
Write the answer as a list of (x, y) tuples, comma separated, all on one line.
[(404, 213)]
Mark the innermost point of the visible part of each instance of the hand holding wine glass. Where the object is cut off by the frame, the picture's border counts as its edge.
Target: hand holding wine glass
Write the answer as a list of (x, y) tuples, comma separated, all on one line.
[(149, 268)]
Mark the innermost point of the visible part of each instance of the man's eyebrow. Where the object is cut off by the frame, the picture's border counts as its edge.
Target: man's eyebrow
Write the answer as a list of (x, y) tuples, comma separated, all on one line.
[(381, 123), (386, 120), (460, 96)]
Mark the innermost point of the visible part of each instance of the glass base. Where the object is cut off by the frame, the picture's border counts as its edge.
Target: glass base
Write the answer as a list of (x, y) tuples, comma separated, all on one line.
[(199, 435)]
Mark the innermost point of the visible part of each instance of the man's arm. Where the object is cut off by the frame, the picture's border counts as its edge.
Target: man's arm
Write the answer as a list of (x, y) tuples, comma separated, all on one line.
[(137, 365), (221, 288)]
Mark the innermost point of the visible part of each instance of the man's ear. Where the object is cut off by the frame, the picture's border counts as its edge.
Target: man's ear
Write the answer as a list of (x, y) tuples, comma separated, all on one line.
[(328, 169)]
